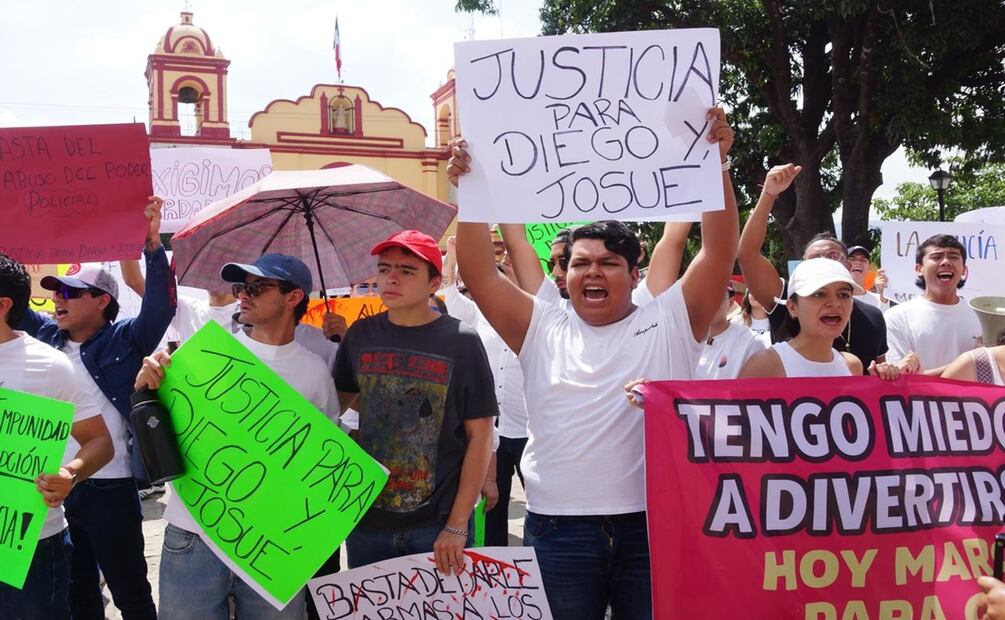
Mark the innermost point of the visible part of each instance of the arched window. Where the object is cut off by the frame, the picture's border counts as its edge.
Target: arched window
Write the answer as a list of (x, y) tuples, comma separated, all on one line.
[(341, 115), (188, 110)]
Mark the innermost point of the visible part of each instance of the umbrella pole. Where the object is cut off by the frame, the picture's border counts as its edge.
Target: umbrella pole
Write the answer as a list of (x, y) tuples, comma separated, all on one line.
[(309, 216)]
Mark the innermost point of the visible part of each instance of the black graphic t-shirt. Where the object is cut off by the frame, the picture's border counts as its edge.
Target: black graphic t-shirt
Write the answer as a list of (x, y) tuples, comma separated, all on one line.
[(417, 385)]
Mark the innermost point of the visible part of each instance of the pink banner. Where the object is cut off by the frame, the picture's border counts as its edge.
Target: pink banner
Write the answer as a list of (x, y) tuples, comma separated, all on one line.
[(73, 194), (822, 499)]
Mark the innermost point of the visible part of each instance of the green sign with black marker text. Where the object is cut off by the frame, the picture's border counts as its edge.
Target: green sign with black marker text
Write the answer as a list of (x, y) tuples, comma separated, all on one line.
[(33, 434), (274, 484)]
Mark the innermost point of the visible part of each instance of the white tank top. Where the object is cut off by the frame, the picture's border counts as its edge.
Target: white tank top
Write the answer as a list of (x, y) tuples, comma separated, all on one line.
[(986, 367), (796, 365)]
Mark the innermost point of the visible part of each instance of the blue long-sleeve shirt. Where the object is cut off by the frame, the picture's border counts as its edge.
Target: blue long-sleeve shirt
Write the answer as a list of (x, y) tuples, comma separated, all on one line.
[(114, 354)]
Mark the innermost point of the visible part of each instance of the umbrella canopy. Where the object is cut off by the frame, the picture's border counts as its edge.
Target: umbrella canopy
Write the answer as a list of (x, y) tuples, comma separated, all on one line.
[(350, 209)]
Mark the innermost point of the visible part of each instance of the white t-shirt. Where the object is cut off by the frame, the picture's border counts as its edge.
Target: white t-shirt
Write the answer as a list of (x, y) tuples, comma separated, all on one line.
[(192, 313), (506, 371), (585, 453), (874, 300), (119, 466), (938, 333), (548, 292), (224, 316), (313, 339), (760, 327), (728, 352), (27, 365), (304, 371)]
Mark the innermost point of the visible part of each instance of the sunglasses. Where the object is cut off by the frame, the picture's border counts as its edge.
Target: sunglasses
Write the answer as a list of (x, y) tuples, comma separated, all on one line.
[(69, 292), (562, 263), (366, 286), (253, 289)]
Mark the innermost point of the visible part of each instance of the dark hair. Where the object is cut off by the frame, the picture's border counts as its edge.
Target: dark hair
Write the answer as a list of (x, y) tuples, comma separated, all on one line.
[(746, 309), (939, 241), (15, 283), (562, 236), (111, 311), (617, 238), (301, 308), (790, 325), (826, 236)]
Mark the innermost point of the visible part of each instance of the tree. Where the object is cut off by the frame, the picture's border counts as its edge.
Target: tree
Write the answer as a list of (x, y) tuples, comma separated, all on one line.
[(835, 86), (971, 189)]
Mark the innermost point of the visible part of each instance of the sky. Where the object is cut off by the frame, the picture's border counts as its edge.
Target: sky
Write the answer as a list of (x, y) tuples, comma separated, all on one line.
[(72, 62)]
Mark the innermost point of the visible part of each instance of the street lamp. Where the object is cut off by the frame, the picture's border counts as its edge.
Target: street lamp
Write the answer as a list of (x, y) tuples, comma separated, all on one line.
[(940, 181)]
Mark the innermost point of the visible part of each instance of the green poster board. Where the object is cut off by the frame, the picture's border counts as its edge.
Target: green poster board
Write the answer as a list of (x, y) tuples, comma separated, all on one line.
[(33, 434), (541, 235), (274, 484)]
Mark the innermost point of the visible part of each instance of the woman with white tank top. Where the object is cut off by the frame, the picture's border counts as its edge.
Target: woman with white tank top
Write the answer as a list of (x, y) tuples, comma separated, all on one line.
[(984, 365), (820, 303)]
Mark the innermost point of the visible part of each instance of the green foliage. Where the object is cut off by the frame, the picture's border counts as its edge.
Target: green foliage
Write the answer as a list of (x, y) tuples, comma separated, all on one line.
[(971, 189), (476, 6)]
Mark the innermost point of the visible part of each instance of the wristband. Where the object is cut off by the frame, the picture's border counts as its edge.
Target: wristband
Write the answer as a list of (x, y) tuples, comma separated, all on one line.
[(455, 531), (726, 165)]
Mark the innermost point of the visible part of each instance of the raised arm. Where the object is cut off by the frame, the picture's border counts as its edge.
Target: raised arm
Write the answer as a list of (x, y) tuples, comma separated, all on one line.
[(133, 276), (507, 308), (704, 283), (664, 265), (159, 298), (526, 264), (759, 274)]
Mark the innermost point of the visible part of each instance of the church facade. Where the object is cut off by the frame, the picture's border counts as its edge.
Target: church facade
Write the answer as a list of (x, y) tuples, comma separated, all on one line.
[(332, 125)]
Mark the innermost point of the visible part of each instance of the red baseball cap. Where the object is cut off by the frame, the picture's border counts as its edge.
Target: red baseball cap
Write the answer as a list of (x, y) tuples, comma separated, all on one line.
[(418, 243)]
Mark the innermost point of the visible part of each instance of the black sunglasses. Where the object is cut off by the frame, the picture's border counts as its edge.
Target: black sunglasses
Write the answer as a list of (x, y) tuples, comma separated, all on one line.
[(69, 292), (254, 289), (562, 262)]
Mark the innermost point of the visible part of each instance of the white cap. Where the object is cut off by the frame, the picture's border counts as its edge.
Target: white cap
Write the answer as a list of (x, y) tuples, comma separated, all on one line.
[(87, 275), (812, 275)]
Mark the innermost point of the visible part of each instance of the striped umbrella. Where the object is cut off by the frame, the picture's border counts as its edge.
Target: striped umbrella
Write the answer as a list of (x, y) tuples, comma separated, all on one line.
[(328, 218)]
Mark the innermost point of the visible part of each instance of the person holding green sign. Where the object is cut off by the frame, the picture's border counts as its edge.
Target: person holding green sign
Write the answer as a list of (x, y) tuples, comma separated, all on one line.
[(426, 411), (30, 366), (273, 294)]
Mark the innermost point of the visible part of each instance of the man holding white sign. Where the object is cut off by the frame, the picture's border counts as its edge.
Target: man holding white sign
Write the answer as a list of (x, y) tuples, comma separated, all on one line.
[(591, 539)]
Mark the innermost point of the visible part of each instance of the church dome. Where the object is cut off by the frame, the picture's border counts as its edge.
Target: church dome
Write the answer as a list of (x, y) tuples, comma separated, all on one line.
[(186, 38)]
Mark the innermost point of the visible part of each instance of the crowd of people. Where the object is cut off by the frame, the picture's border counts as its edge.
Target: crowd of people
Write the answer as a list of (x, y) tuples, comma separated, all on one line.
[(486, 365)]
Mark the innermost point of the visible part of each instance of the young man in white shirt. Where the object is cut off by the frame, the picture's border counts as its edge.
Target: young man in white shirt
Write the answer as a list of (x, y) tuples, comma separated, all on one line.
[(859, 265), (273, 293), (27, 365), (938, 325), (584, 461)]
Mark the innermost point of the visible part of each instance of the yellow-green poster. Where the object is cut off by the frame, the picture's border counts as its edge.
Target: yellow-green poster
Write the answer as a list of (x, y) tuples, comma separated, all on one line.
[(273, 483), (33, 434)]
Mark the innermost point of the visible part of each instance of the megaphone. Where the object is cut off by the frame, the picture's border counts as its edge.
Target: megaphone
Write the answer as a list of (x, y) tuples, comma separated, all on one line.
[(991, 312)]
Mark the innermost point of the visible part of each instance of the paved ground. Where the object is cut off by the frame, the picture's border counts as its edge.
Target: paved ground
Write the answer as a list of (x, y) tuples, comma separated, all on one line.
[(153, 530)]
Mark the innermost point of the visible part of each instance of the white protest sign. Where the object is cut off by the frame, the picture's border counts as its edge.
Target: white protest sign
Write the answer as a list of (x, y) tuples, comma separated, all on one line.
[(498, 582), (190, 178), (985, 256), (593, 126)]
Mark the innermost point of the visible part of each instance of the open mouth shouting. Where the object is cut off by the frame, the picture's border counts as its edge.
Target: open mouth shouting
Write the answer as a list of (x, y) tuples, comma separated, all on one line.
[(595, 293), (945, 275), (833, 320)]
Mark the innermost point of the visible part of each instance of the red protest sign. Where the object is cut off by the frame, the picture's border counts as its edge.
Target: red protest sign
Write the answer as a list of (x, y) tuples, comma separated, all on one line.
[(73, 194), (822, 499)]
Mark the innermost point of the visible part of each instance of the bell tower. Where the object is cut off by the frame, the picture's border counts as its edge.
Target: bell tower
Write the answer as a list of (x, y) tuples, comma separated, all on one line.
[(187, 81)]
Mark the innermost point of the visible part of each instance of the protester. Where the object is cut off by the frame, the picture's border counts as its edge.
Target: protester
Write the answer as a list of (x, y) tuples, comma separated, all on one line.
[(367, 288), (729, 345), (753, 315), (983, 365), (104, 512), (426, 408), (590, 539), (820, 304), (865, 334), (938, 325), (273, 294), (859, 266), (508, 381), (27, 365)]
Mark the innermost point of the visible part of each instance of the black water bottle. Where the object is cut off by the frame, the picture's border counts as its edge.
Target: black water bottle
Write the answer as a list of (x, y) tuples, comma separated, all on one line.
[(155, 437)]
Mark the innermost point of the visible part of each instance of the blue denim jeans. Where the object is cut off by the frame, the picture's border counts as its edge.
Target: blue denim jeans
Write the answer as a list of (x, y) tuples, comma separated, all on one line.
[(194, 583), (508, 456), (106, 527), (368, 545), (590, 562), (46, 591)]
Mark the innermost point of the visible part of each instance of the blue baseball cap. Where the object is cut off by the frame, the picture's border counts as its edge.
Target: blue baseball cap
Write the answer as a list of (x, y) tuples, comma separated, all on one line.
[(277, 266)]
